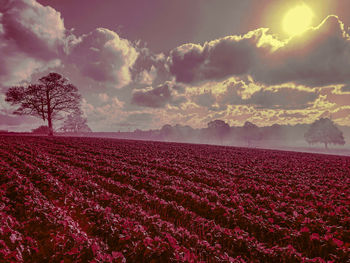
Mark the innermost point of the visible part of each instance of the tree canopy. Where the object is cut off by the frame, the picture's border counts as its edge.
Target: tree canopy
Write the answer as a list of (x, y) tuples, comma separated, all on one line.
[(46, 99), (324, 131), (218, 130), (250, 132), (75, 122)]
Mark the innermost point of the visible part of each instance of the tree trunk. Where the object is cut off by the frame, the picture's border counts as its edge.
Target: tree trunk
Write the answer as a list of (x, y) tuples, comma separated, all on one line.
[(50, 125), (49, 113), (326, 145)]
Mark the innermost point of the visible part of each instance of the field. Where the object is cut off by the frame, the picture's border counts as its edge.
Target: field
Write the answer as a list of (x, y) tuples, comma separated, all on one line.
[(80, 199)]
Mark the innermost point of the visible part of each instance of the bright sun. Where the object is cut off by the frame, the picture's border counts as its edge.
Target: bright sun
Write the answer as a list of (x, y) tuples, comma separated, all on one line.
[(297, 20)]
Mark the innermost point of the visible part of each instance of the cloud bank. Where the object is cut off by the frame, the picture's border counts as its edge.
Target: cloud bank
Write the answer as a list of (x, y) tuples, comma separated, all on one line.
[(319, 57), (254, 76)]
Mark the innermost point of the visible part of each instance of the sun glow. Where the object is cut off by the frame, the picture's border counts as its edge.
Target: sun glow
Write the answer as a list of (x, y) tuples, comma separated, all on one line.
[(297, 20)]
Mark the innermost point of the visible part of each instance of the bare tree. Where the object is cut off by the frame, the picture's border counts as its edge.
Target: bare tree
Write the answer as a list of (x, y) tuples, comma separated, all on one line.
[(75, 122), (324, 131), (46, 100)]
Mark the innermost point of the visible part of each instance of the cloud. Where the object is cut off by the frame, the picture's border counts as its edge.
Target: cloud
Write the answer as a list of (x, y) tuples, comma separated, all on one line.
[(233, 95), (206, 99), (291, 115), (103, 117), (319, 57), (343, 112), (149, 68), (146, 77), (137, 120), (219, 59), (179, 85), (152, 97), (260, 96), (185, 62), (104, 56), (31, 38), (345, 88), (8, 120), (282, 98), (158, 97), (342, 99), (103, 97), (32, 28)]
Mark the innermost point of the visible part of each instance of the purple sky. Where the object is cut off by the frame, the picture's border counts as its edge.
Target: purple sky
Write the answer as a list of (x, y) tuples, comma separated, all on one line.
[(143, 64)]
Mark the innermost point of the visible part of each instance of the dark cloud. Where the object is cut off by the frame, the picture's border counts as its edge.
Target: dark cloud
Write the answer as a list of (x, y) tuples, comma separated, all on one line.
[(186, 61), (272, 98), (345, 88), (178, 101), (340, 113), (157, 97), (275, 98), (206, 99), (218, 59), (209, 101), (229, 56), (179, 88), (154, 98), (296, 115), (282, 98), (339, 99)]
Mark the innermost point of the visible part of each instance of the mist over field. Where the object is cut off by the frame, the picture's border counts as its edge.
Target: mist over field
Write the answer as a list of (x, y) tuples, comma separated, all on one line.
[(282, 137)]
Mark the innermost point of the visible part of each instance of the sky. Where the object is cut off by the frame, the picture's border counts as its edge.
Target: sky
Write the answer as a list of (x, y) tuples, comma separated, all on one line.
[(143, 64)]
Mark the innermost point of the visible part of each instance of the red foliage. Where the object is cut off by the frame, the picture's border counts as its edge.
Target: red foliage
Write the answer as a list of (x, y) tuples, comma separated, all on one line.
[(100, 200)]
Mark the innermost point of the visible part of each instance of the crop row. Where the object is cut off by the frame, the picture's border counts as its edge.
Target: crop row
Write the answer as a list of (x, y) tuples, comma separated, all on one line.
[(109, 200)]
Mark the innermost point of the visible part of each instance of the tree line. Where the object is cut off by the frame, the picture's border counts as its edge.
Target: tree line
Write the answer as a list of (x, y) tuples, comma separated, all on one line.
[(322, 131), (53, 96)]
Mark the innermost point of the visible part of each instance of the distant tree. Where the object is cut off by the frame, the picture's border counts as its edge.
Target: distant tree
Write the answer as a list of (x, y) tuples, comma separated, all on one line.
[(166, 132), (218, 130), (43, 129), (250, 132), (324, 131), (75, 122), (272, 133), (46, 100), (138, 134), (183, 133)]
